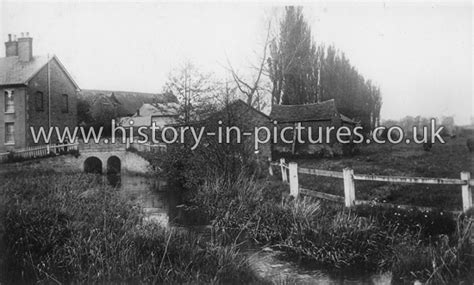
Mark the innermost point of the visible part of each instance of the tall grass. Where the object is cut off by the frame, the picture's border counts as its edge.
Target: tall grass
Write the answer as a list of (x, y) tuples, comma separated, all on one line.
[(243, 208), (363, 239), (414, 245), (303, 228), (343, 241), (71, 228), (446, 260)]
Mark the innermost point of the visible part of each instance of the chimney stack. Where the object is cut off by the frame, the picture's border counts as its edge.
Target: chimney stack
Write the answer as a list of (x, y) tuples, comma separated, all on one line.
[(25, 48), (11, 47)]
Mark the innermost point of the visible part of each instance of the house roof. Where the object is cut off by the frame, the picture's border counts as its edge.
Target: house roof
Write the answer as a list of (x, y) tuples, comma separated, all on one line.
[(148, 112), (299, 113), (137, 121), (159, 109), (233, 106), (127, 102), (322, 111), (15, 72)]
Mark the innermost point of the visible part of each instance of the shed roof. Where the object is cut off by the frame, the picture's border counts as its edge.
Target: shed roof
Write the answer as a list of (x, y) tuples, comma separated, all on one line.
[(323, 111)]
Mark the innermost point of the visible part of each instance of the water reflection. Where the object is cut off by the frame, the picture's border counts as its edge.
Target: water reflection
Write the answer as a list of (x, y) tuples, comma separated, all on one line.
[(270, 265), (157, 198)]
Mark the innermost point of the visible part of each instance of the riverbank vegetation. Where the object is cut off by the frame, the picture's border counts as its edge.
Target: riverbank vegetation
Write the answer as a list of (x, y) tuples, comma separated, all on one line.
[(62, 228), (429, 246), (413, 245), (71, 227)]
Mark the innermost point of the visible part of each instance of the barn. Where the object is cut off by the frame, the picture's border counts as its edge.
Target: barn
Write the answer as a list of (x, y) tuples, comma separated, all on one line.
[(313, 117)]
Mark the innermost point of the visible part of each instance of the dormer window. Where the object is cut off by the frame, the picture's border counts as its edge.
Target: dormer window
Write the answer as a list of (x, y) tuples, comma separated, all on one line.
[(9, 102)]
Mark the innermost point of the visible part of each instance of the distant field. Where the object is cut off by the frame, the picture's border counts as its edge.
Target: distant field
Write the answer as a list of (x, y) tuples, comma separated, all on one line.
[(443, 161)]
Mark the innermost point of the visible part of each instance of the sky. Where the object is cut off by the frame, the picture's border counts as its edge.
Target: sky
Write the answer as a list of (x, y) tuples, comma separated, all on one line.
[(419, 54)]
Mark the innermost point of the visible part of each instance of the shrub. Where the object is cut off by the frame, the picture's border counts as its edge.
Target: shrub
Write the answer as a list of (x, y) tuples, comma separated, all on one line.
[(184, 167), (426, 223), (190, 168)]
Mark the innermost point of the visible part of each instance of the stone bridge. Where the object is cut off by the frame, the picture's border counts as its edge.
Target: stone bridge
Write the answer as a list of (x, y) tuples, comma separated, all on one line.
[(110, 158)]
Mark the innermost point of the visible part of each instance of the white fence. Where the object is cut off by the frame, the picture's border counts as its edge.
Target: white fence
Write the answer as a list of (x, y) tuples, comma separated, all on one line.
[(289, 174), (37, 151), (157, 148), (46, 150)]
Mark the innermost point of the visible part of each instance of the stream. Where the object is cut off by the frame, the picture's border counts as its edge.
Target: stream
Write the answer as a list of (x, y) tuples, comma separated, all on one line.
[(159, 201)]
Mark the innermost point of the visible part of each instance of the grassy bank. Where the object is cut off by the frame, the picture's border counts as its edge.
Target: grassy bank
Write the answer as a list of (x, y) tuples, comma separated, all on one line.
[(427, 246), (443, 161), (431, 247), (72, 228)]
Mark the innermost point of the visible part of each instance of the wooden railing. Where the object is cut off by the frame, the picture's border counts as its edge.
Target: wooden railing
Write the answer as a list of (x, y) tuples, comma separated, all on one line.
[(37, 151), (46, 150), (289, 174)]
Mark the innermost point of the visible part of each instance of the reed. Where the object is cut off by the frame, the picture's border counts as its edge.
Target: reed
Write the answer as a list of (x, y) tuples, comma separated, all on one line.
[(63, 228)]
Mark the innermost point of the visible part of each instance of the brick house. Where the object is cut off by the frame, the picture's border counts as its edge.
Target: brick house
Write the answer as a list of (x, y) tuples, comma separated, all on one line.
[(36, 91), (317, 115)]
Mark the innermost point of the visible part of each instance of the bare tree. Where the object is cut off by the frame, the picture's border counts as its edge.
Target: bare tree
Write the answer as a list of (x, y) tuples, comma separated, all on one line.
[(252, 89), (193, 88)]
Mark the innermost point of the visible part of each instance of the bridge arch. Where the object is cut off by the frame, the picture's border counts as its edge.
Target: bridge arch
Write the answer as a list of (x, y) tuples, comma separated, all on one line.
[(114, 164), (113, 160), (93, 164)]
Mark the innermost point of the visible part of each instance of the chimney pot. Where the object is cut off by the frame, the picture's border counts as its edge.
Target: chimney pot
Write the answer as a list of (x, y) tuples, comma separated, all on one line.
[(14, 38), (22, 35), (27, 34), (11, 47), (25, 48)]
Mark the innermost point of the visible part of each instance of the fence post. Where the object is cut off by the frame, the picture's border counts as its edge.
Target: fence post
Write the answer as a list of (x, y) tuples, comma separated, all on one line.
[(48, 149), (349, 187), (284, 177), (466, 191), (127, 143), (270, 168), (294, 185)]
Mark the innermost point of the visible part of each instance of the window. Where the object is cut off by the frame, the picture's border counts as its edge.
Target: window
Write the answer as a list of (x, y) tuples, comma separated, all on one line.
[(39, 101), (65, 103), (9, 103), (9, 133)]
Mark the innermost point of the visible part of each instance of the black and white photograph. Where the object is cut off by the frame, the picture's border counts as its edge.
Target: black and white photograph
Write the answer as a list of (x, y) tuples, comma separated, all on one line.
[(236, 142)]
